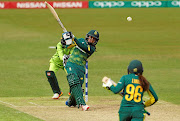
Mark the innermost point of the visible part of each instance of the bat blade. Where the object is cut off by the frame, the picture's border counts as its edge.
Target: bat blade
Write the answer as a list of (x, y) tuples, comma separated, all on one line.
[(55, 15)]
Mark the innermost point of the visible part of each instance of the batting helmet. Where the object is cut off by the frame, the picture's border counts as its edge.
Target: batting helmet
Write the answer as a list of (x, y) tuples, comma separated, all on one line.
[(94, 34), (135, 66)]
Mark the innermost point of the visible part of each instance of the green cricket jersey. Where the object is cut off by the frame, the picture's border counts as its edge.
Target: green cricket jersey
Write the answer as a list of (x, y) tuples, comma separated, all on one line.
[(75, 68), (133, 92), (57, 58), (81, 52)]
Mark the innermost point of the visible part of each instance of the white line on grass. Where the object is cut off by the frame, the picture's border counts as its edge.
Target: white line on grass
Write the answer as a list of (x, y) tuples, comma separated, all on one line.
[(34, 103), (30, 106), (45, 106), (8, 103), (41, 105)]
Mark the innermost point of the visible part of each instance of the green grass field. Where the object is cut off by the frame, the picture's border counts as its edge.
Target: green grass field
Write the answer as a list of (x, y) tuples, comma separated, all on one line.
[(12, 115), (152, 37)]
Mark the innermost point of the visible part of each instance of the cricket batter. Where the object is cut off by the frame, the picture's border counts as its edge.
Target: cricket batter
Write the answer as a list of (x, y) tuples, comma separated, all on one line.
[(75, 66), (134, 85), (57, 61)]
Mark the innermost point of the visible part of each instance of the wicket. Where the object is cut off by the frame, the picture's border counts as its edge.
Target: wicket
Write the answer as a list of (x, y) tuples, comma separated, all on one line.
[(86, 84)]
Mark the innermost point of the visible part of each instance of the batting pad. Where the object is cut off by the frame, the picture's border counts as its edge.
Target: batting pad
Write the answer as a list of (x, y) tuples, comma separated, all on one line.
[(73, 79), (78, 94), (71, 101), (53, 81)]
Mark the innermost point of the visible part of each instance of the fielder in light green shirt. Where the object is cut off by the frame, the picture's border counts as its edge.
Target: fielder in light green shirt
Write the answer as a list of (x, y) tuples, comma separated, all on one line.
[(57, 62)]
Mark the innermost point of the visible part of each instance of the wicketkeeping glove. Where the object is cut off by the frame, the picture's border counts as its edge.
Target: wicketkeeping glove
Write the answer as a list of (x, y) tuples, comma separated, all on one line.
[(65, 58), (107, 83)]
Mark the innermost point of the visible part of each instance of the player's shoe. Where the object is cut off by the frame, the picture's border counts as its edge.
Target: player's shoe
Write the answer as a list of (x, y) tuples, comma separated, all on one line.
[(67, 102), (70, 103), (57, 95), (85, 107)]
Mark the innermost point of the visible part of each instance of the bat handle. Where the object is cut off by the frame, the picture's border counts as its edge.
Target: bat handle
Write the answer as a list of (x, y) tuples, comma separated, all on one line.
[(64, 30), (62, 26), (147, 112)]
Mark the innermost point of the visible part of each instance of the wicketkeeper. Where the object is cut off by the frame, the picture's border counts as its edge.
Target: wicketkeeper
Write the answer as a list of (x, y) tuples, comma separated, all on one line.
[(57, 62), (75, 66), (134, 85)]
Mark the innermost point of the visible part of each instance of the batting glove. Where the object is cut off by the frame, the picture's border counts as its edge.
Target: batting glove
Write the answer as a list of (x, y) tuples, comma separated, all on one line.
[(68, 37)]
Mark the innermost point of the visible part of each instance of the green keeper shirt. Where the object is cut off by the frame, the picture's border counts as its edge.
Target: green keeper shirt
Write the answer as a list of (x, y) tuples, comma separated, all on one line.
[(57, 58), (81, 52), (133, 92)]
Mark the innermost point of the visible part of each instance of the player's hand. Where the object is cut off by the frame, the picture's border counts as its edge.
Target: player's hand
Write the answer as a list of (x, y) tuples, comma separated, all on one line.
[(107, 83), (65, 58), (68, 37), (105, 79)]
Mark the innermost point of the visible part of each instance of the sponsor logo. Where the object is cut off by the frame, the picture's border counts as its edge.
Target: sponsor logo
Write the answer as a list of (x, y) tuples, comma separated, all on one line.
[(109, 4), (135, 70), (67, 4), (48, 74), (95, 32), (146, 3), (1, 5), (31, 5), (175, 3)]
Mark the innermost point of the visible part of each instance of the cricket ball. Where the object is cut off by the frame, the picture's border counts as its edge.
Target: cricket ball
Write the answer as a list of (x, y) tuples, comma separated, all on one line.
[(129, 18)]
